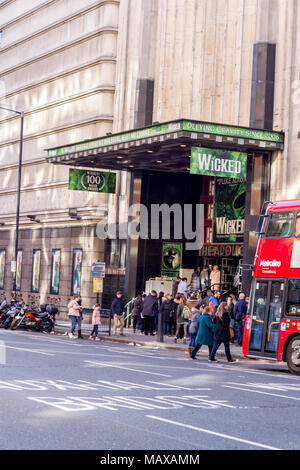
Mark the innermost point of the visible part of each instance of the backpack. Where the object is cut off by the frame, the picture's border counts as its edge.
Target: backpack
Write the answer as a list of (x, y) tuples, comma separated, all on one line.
[(186, 313)]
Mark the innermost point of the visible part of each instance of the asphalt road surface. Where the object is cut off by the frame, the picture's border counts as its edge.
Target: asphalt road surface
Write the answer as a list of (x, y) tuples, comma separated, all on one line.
[(58, 393)]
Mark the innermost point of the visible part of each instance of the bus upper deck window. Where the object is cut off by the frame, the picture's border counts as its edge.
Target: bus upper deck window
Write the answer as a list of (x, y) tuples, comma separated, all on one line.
[(297, 228), (280, 225)]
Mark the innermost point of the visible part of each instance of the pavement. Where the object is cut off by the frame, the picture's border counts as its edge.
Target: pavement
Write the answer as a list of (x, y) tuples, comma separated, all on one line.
[(139, 339)]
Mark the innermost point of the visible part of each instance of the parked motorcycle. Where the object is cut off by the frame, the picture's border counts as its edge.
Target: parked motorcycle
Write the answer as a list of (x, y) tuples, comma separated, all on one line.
[(42, 320), (11, 315)]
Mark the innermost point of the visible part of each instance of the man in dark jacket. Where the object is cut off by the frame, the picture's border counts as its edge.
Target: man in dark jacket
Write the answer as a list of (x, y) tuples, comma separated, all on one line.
[(239, 311), (118, 311), (150, 310)]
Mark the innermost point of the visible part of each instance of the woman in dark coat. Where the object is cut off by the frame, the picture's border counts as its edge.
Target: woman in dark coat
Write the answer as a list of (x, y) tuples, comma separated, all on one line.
[(222, 333), (167, 310), (136, 312)]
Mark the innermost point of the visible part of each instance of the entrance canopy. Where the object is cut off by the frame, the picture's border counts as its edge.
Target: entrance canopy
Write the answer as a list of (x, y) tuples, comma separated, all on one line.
[(162, 147)]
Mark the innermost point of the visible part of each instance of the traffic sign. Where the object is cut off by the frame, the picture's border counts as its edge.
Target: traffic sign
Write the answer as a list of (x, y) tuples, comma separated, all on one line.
[(98, 270), (98, 285)]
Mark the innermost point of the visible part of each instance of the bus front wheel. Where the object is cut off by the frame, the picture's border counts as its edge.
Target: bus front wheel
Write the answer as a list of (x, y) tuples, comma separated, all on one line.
[(293, 355)]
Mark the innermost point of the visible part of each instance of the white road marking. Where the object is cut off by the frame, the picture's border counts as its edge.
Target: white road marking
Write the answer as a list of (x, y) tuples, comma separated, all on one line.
[(106, 364), (35, 351), (244, 389), (224, 436)]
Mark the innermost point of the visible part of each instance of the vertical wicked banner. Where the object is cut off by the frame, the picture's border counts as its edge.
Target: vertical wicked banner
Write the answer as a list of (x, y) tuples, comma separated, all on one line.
[(77, 272), (55, 271), (36, 268), (19, 270), (229, 210), (2, 268), (171, 259)]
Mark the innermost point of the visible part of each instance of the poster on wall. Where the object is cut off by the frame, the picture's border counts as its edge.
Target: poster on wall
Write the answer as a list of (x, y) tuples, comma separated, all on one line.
[(36, 268), (19, 270), (2, 268), (55, 271), (171, 259), (219, 163), (92, 181), (229, 210), (77, 272)]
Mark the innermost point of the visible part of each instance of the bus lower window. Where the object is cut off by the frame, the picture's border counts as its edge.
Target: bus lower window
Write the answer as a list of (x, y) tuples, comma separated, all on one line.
[(293, 301), (280, 225)]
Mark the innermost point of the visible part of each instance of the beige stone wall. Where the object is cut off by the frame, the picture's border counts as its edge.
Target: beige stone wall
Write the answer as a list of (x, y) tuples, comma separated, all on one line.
[(57, 64), (200, 52)]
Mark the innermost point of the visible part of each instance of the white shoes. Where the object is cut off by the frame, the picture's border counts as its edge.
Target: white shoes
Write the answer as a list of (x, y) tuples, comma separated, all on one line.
[(71, 336)]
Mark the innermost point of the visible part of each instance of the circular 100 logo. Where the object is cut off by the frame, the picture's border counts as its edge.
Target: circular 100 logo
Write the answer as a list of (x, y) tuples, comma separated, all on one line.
[(93, 181)]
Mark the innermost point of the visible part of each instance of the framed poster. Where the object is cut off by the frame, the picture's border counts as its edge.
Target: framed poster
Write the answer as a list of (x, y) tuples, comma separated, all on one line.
[(229, 211), (36, 268), (171, 259), (2, 268), (76, 271), (55, 271), (19, 270)]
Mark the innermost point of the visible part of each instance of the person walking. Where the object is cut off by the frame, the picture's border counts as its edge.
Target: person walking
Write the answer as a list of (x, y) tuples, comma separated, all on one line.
[(183, 288), (204, 278), (175, 285), (240, 310), (150, 310), (214, 300), (118, 311), (231, 302), (205, 332), (167, 310), (215, 278), (136, 313), (193, 329), (222, 334), (195, 280), (96, 321), (183, 315), (74, 313)]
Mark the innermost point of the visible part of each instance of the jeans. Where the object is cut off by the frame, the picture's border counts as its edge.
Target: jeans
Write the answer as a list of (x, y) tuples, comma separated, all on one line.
[(95, 331), (193, 340), (215, 348), (196, 349), (240, 328), (166, 328), (74, 322)]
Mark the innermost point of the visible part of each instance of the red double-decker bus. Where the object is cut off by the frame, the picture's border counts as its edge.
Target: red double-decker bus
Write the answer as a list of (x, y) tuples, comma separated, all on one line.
[(272, 325)]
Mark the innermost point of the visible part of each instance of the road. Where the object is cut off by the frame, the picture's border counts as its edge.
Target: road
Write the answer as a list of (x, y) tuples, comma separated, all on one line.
[(78, 394)]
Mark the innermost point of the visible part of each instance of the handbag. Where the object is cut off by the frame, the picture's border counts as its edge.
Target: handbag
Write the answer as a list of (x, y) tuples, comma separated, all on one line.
[(186, 313), (231, 331)]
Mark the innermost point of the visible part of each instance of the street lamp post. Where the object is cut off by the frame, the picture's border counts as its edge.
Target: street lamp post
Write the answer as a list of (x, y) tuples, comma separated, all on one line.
[(21, 114)]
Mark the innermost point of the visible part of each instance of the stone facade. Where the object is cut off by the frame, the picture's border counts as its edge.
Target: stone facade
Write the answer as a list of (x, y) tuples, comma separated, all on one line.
[(73, 65)]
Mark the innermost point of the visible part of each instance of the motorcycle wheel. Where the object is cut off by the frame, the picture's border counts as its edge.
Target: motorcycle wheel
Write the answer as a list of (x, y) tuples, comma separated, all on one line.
[(47, 326), (16, 323)]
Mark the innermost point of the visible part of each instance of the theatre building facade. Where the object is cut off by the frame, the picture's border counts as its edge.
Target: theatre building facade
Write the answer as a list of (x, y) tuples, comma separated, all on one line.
[(167, 105)]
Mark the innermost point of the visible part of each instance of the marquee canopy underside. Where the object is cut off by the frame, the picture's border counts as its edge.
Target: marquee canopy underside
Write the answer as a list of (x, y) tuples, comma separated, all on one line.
[(162, 147)]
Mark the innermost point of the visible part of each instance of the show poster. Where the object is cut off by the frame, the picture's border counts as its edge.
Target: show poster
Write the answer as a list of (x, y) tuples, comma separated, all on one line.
[(92, 181), (55, 271), (229, 210), (2, 268), (171, 259), (219, 163), (77, 272), (36, 268), (19, 270)]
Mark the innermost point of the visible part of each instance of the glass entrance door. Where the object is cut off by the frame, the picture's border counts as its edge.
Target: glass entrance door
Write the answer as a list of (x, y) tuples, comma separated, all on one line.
[(266, 316)]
